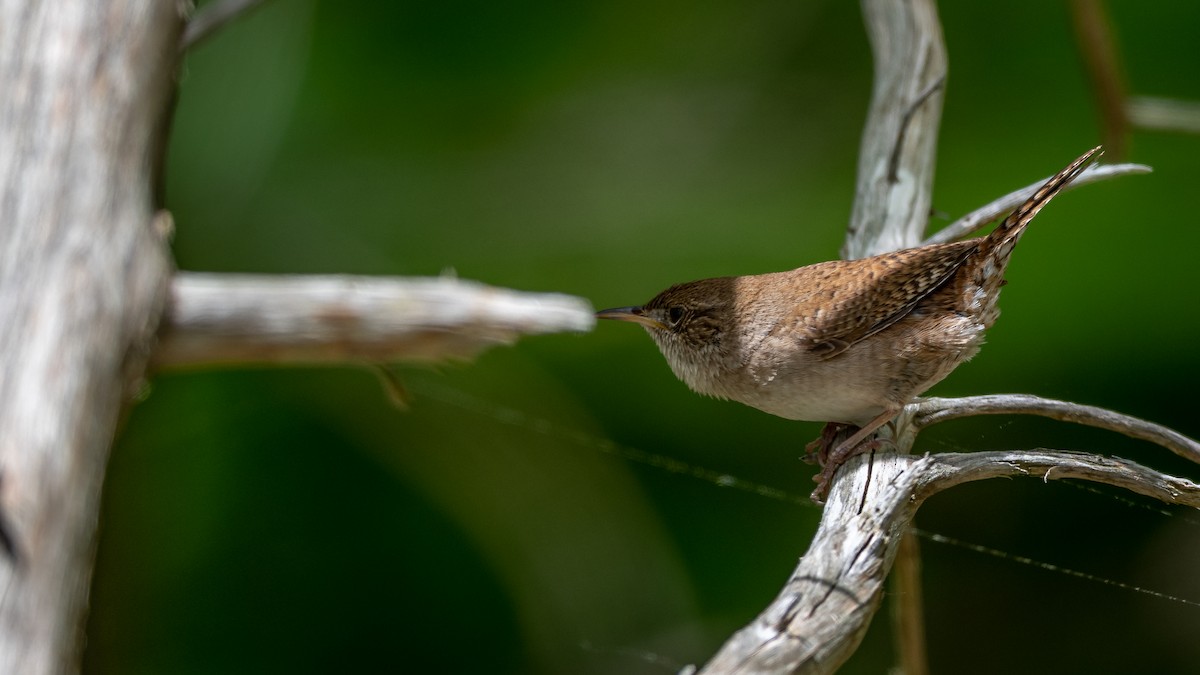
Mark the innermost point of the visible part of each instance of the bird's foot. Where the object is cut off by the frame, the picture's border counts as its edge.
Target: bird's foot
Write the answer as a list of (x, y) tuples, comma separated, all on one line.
[(831, 457), (817, 451), (834, 460)]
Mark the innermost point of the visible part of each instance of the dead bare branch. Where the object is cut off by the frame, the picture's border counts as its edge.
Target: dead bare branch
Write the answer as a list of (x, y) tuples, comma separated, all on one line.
[(818, 617), (892, 196), (229, 320), (950, 469), (930, 411), (83, 277)]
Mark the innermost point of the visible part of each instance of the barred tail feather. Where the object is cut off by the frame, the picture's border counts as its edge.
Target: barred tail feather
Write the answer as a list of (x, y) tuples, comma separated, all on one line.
[(996, 248), (1000, 242)]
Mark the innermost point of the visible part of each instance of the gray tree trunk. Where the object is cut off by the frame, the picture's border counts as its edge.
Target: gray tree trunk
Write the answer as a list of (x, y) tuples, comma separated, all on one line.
[(84, 271)]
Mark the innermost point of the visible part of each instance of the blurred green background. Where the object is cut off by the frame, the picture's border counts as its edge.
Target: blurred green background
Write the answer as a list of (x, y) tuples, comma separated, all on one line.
[(293, 521)]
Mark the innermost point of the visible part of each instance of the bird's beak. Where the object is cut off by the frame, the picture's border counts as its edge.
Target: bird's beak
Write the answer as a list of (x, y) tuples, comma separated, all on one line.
[(632, 314)]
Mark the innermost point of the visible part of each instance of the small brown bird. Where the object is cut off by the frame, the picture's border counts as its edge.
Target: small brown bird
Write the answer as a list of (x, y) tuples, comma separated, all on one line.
[(847, 341)]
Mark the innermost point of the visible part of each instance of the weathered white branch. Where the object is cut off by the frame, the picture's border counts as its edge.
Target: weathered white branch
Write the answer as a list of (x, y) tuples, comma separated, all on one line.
[(950, 469), (892, 196), (980, 217), (230, 319), (83, 275), (824, 609), (838, 584), (929, 411)]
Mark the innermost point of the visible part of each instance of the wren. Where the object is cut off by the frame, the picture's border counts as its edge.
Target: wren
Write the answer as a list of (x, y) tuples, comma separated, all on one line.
[(848, 342)]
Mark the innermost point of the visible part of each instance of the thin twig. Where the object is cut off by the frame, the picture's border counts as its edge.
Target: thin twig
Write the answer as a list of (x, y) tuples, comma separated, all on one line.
[(1164, 114), (212, 18), (908, 610), (980, 217), (930, 411), (950, 469), (1098, 47)]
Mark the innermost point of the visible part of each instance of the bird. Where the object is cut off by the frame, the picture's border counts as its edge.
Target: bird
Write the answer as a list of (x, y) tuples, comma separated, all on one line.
[(846, 342)]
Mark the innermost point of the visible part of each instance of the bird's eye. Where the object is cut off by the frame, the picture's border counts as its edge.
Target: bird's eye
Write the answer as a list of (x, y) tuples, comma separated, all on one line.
[(675, 314)]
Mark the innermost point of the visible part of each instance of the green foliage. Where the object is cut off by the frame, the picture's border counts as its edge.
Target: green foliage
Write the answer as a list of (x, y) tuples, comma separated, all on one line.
[(291, 521)]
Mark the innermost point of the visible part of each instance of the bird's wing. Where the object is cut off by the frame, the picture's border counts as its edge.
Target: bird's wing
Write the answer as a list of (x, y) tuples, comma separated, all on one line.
[(863, 297)]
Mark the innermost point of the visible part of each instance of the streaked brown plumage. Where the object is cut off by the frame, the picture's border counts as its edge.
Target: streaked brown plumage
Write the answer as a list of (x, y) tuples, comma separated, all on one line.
[(848, 341)]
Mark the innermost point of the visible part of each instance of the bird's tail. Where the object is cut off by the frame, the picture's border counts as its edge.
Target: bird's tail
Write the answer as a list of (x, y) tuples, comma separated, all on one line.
[(999, 244), (987, 266)]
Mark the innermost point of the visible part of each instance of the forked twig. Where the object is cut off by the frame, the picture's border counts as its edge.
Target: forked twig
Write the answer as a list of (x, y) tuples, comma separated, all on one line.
[(823, 610)]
